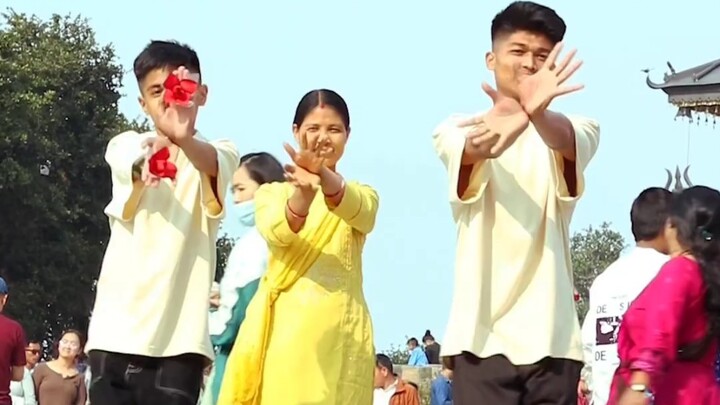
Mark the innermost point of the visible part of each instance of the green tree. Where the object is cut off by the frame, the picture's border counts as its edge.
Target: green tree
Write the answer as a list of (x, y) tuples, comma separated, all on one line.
[(59, 92), (224, 245), (592, 250), (397, 354)]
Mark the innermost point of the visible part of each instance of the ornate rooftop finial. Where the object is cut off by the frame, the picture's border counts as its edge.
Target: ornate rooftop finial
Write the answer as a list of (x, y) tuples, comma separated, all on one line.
[(679, 178)]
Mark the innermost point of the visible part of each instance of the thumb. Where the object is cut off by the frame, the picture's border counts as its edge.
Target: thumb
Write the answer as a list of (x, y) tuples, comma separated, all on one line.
[(490, 91)]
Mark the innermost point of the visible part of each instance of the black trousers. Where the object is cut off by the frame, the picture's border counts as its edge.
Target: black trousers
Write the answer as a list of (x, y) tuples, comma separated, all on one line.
[(496, 381), (121, 379)]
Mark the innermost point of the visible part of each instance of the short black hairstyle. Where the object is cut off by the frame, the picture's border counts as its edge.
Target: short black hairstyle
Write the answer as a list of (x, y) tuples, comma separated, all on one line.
[(413, 341), (165, 54), (383, 361), (528, 16), (649, 213)]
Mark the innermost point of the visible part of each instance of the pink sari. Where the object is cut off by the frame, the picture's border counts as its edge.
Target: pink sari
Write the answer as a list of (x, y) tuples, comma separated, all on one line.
[(668, 315)]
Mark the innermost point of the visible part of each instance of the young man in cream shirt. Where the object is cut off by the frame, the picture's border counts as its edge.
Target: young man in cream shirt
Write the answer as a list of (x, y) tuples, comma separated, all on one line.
[(515, 175), (148, 337), (612, 291)]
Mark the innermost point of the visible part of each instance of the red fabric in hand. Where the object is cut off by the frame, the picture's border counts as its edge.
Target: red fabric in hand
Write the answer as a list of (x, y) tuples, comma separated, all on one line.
[(178, 91), (160, 166)]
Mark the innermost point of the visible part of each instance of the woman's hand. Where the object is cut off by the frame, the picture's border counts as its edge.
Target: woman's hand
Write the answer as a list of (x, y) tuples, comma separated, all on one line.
[(302, 179), (312, 159)]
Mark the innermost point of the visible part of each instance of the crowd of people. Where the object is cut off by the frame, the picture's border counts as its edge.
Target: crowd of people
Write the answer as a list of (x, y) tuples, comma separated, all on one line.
[(288, 323)]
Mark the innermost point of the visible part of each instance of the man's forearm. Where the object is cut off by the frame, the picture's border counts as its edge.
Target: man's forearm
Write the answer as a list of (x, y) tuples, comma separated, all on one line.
[(556, 131), (202, 155)]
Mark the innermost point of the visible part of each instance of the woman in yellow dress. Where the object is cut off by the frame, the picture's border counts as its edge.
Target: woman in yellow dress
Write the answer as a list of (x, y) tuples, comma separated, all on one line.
[(307, 338)]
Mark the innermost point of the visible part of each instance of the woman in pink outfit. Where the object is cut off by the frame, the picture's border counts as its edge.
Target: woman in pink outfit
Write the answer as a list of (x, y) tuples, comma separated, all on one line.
[(668, 343)]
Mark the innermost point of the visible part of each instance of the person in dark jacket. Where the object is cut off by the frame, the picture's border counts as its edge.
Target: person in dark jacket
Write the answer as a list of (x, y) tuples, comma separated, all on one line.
[(432, 348)]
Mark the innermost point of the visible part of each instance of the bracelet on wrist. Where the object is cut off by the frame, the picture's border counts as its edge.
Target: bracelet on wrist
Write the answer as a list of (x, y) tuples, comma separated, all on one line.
[(337, 193), (293, 213)]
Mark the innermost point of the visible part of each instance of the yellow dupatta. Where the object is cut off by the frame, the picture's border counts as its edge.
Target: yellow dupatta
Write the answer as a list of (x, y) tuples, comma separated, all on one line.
[(287, 264)]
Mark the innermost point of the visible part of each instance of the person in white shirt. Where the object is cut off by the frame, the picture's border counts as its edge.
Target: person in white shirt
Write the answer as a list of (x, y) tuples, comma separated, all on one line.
[(612, 291)]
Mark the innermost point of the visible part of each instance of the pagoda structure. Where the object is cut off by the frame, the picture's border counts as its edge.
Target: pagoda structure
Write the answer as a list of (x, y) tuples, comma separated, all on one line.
[(696, 94)]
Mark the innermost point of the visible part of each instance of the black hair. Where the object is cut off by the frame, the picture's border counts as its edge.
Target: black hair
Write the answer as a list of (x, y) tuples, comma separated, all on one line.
[(528, 16), (319, 97), (263, 168), (165, 54), (695, 215), (427, 336), (80, 336), (33, 341), (649, 213), (413, 341), (384, 361)]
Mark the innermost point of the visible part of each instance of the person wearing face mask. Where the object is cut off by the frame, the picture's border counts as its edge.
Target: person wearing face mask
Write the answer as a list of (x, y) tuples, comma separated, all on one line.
[(246, 264), (58, 382)]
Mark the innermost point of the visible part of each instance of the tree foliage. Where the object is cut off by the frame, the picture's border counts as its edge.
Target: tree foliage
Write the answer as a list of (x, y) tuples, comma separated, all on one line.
[(59, 92), (397, 354), (592, 250)]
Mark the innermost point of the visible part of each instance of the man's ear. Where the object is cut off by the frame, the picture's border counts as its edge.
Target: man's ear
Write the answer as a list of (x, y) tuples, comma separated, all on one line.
[(490, 60), (143, 105), (202, 95)]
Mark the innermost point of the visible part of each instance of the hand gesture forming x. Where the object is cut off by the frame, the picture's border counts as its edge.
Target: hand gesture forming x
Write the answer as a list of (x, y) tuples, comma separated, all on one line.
[(177, 122), (491, 134), (305, 173), (539, 89)]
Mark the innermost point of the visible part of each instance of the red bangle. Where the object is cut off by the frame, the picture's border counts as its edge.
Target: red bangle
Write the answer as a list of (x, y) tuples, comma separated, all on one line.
[(342, 187), (295, 214)]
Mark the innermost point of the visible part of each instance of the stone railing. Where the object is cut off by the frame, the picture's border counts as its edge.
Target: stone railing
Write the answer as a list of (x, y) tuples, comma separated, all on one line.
[(420, 376)]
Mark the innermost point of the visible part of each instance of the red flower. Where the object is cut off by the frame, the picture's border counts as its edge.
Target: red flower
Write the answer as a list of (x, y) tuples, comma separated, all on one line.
[(178, 91), (160, 166), (576, 296)]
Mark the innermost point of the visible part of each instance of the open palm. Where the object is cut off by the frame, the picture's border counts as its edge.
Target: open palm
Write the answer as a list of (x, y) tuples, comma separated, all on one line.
[(311, 160), (539, 89), (495, 131)]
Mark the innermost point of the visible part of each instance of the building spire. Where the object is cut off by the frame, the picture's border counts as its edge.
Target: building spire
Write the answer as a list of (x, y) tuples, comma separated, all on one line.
[(679, 179)]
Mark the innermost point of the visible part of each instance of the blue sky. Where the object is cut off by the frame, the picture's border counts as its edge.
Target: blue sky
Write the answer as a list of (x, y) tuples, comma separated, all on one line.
[(403, 66)]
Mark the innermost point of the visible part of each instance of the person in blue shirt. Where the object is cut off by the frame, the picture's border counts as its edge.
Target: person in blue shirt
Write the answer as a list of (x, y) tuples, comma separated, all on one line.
[(417, 354), (441, 388)]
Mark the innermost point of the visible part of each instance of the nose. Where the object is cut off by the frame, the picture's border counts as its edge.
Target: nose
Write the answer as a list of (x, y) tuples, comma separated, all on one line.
[(529, 63)]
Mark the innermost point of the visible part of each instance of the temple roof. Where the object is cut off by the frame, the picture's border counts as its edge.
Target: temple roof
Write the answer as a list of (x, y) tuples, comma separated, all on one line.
[(707, 74), (696, 88)]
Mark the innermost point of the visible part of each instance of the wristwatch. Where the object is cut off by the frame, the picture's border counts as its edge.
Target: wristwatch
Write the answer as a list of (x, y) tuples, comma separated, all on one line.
[(644, 389)]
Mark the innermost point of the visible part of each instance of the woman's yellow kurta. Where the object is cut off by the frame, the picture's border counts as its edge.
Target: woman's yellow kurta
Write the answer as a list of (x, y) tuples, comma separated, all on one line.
[(307, 336)]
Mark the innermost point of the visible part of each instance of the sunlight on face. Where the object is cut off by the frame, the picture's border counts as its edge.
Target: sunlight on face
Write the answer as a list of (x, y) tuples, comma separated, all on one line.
[(515, 56), (324, 127), (243, 186), (69, 345)]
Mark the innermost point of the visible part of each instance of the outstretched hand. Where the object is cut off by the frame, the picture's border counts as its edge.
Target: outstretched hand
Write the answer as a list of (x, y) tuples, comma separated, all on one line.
[(152, 146), (177, 122), (495, 131), (301, 178), (538, 90), (312, 159)]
